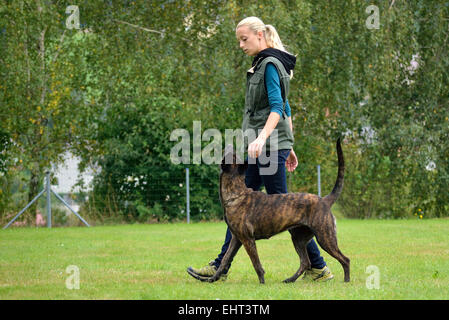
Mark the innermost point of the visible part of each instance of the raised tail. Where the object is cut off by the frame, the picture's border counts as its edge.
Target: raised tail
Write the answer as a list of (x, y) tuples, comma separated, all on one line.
[(333, 196)]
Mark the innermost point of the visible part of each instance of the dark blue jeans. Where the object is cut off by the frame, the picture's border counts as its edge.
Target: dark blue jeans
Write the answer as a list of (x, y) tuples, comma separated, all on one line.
[(274, 183)]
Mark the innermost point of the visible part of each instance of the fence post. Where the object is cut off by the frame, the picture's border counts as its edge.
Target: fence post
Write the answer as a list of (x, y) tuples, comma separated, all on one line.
[(48, 200), (319, 180), (188, 195)]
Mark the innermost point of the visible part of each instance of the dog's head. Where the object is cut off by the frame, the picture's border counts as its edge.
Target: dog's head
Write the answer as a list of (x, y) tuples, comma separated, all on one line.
[(231, 163)]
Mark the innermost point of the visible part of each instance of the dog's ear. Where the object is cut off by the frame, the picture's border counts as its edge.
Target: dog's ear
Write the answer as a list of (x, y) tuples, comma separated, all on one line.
[(225, 167), (242, 167), (228, 159)]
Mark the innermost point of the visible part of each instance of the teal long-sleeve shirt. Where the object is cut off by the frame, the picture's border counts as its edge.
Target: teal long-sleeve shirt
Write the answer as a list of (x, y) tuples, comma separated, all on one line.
[(273, 85)]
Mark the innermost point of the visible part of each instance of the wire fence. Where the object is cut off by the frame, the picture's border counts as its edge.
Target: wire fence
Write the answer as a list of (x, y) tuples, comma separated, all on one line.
[(186, 194)]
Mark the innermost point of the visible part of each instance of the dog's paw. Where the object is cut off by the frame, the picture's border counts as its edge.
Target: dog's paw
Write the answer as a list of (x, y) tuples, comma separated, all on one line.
[(290, 280)]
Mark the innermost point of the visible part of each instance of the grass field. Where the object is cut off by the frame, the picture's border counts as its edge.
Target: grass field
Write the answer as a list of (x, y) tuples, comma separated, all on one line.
[(149, 262)]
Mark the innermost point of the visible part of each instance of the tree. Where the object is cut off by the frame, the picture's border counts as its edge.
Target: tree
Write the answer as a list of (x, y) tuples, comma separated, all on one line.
[(39, 84)]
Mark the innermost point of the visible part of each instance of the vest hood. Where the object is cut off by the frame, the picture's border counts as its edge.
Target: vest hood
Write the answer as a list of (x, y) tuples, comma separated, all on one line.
[(288, 60)]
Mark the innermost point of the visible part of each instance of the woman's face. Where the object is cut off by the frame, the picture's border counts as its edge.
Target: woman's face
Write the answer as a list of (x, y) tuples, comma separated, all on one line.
[(251, 43)]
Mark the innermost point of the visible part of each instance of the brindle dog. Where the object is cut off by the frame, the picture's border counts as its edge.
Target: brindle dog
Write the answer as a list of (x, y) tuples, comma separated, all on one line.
[(253, 215)]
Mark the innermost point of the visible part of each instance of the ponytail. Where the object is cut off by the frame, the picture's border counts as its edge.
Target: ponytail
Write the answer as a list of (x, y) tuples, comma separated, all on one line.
[(272, 38)]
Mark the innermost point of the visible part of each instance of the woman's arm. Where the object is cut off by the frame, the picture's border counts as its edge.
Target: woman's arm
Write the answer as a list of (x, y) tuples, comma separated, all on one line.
[(292, 160), (291, 123), (255, 148)]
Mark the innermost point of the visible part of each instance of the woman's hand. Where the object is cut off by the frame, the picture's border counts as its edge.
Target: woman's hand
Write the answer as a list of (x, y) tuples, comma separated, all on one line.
[(292, 161), (255, 147)]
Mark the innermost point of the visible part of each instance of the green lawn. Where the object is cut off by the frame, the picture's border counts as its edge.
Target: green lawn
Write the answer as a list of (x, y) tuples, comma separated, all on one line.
[(149, 262)]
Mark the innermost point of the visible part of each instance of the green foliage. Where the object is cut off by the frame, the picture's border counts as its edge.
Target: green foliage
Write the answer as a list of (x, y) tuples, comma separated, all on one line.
[(137, 168), (113, 92), (4, 146)]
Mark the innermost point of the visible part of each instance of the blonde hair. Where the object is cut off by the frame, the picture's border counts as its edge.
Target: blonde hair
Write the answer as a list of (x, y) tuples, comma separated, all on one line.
[(269, 32)]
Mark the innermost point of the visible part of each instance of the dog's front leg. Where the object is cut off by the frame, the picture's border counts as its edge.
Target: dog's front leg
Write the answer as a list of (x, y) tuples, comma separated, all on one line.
[(234, 246), (250, 246)]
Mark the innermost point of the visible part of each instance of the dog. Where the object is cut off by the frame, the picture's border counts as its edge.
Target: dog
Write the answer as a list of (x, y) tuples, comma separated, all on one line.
[(253, 215)]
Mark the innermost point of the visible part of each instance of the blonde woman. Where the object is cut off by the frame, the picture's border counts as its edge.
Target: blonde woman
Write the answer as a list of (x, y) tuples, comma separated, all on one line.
[(267, 109)]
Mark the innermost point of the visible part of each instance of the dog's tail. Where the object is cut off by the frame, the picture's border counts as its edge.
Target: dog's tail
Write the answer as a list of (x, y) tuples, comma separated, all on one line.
[(333, 196)]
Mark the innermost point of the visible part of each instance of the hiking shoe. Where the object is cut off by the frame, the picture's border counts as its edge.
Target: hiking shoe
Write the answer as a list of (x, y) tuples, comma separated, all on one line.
[(314, 274), (206, 272)]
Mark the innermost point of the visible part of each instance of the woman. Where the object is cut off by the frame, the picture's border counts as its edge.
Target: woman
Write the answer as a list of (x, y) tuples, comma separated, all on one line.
[(267, 89)]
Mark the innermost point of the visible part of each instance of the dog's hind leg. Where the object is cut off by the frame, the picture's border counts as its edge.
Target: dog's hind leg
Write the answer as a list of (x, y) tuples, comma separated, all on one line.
[(300, 238), (234, 246), (250, 246), (327, 239)]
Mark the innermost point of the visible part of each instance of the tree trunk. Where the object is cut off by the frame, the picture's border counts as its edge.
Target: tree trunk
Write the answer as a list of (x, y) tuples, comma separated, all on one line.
[(33, 190)]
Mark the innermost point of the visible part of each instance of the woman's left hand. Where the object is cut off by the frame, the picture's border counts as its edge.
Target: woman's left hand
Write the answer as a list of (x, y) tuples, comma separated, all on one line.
[(255, 147), (292, 161)]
